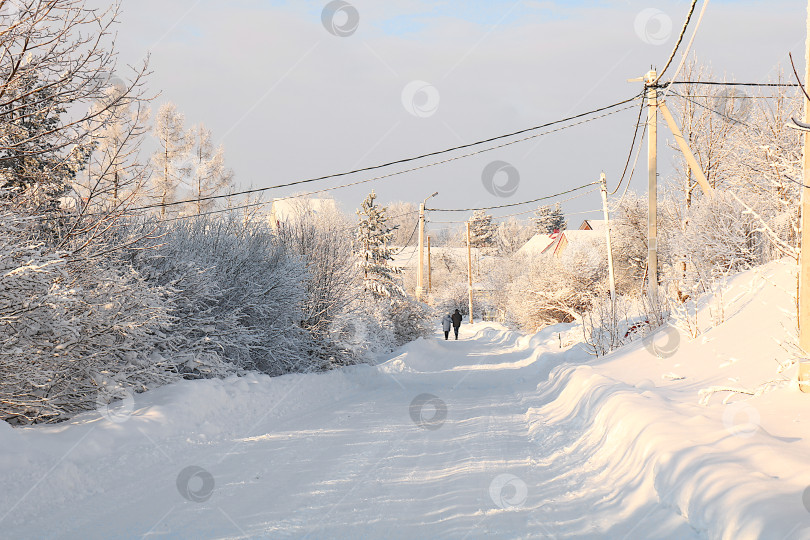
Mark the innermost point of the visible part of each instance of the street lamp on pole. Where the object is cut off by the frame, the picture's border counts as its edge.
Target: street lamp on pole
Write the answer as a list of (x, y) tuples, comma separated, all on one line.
[(420, 271)]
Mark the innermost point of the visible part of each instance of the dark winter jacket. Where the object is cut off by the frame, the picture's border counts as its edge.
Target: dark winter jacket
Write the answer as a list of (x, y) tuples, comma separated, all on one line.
[(456, 319)]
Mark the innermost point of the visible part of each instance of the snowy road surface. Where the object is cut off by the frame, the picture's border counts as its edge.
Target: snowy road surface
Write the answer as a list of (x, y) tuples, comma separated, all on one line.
[(497, 435), (371, 464)]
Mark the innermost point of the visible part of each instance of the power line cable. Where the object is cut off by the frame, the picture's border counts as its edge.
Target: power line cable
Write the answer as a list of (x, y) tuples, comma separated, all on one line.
[(720, 83), (737, 121), (511, 204), (397, 162), (396, 173), (632, 147), (691, 41), (680, 38)]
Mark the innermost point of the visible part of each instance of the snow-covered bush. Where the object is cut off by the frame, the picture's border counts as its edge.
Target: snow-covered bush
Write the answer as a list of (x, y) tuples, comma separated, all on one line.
[(329, 309), (235, 295), (73, 326), (558, 288)]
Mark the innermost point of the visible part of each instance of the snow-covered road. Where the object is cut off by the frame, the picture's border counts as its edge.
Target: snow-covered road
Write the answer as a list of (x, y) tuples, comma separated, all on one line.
[(498, 435), (434, 443)]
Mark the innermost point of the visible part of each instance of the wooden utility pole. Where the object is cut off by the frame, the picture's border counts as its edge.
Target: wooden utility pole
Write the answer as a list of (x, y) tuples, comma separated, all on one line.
[(430, 270), (469, 272), (804, 255), (420, 272), (603, 182), (652, 172), (421, 268)]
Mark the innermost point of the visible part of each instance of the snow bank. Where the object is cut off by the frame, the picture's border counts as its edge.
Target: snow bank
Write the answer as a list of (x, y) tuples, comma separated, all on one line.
[(652, 417), (63, 461)]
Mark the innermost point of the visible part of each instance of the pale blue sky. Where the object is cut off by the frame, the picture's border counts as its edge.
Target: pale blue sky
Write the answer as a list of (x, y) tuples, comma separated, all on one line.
[(291, 101)]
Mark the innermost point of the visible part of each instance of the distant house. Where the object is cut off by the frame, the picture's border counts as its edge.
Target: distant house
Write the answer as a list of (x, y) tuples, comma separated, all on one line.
[(537, 244), (590, 232), (593, 225), (290, 209)]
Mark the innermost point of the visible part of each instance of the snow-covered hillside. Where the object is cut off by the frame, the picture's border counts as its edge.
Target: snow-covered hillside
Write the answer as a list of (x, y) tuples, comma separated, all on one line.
[(496, 435)]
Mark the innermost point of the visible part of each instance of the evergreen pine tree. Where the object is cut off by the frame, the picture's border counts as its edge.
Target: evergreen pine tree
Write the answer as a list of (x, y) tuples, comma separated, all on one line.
[(483, 232), (542, 220), (558, 221), (547, 219), (29, 156), (371, 246)]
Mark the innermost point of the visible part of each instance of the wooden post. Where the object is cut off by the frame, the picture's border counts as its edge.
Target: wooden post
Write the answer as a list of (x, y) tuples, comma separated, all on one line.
[(430, 284), (421, 268), (603, 182), (469, 272), (652, 188)]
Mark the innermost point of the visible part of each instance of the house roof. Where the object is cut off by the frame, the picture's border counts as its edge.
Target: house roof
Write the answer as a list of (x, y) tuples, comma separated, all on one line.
[(593, 225), (537, 244)]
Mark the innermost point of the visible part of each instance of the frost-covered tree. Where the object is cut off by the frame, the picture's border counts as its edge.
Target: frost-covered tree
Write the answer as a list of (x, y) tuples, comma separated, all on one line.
[(208, 174), (483, 233), (548, 219), (371, 246), (114, 178), (168, 162), (512, 235), (55, 57)]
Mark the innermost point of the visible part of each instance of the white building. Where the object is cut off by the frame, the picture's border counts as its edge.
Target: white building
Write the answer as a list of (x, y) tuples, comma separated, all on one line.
[(289, 209)]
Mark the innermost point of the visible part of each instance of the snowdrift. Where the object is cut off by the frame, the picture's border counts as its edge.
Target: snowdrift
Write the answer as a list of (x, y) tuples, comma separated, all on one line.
[(713, 427)]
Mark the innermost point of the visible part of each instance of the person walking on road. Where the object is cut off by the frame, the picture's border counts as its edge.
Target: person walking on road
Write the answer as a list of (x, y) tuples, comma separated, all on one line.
[(456, 318), (447, 321)]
